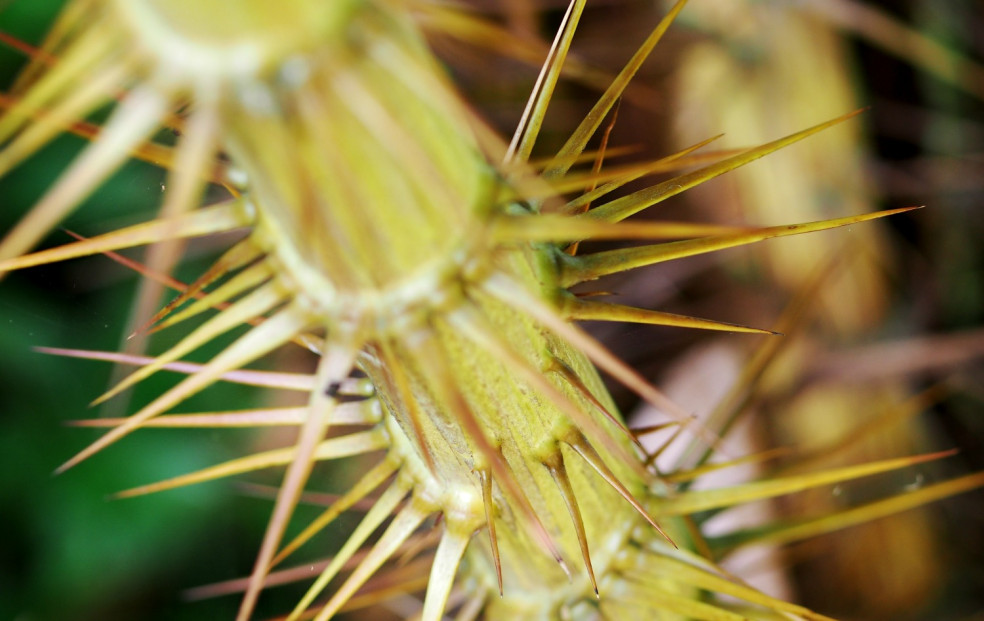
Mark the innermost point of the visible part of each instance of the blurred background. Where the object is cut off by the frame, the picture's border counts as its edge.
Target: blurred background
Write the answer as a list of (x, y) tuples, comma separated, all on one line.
[(882, 355)]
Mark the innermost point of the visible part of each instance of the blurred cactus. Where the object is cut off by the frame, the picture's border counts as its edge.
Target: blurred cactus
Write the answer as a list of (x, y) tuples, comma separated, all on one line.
[(758, 67)]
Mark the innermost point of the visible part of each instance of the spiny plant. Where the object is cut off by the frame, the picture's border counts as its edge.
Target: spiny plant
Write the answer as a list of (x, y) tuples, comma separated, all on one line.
[(427, 263)]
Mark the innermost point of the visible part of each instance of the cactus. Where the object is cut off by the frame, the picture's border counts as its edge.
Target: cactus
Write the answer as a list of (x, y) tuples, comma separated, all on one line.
[(394, 234)]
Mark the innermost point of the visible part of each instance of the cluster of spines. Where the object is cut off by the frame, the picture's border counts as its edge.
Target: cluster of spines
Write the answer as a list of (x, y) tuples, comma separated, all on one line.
[(262, 300)]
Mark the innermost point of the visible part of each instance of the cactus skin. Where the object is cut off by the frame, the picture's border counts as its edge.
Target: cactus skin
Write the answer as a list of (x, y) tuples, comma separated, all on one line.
[(391, 231)]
